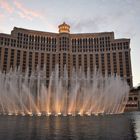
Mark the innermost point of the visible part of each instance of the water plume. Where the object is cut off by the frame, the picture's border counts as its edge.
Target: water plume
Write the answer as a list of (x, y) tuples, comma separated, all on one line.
[(80, 94)]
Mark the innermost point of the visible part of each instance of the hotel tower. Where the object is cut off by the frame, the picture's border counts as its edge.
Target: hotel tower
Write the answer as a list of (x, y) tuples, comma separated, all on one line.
[(30, 49)]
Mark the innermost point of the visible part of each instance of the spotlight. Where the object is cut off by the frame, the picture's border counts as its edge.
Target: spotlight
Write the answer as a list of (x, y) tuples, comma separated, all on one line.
[(69, 113), (88, 114), (30, 113), (81, 114), (59, 113), (22, 113), (10, 114), (39, 114), (48, 114)]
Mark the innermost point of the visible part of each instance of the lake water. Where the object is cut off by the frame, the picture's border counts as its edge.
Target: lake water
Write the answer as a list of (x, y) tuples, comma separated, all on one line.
[(109, 127)]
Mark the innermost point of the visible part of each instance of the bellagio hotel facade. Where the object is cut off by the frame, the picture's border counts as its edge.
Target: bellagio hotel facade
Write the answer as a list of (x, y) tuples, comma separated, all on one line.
[(30, 48)]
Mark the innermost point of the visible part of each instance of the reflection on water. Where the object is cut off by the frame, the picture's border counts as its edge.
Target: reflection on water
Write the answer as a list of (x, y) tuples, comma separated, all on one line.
[(136, 124), (113, 127)]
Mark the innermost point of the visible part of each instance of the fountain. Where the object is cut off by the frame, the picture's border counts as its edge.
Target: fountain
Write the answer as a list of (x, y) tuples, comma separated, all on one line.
[(81, 94)]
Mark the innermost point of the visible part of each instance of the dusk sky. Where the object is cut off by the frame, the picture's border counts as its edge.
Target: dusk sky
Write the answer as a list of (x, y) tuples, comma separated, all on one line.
[(120, 16)]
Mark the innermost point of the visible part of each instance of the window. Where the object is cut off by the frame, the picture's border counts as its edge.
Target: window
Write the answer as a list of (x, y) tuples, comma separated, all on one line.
[(12, 58)]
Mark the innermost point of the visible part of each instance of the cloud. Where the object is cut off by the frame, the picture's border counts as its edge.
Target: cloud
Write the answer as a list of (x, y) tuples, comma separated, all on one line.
[(87, 24), (2, 17), (6, 6), (18, 8), (22, 15), (1, 31), (25, 12)]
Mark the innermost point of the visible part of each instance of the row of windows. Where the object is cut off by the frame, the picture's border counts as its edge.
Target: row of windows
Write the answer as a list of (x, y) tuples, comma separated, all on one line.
[(94, 48), (66, 48), (64, 44), (50, 45), (126, 53), (7, 42), (36, 38), (75, 59), (90, 40)]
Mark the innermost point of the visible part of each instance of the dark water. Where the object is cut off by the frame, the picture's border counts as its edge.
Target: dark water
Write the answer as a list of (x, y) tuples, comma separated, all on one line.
[(113, 127)]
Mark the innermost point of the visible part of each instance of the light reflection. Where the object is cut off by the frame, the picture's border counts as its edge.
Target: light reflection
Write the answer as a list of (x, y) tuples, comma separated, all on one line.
[(136, 123)]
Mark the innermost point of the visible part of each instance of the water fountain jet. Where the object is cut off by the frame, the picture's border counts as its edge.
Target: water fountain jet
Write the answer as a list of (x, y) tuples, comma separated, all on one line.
[(81, 94)]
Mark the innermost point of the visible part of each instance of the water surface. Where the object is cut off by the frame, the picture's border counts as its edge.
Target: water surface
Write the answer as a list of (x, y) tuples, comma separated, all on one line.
[(110, 127)]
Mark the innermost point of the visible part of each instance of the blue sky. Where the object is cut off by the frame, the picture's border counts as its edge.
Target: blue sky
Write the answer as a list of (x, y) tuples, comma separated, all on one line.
[(120, 16)]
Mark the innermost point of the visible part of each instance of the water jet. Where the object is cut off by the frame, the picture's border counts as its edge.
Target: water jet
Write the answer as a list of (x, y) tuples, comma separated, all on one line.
[(80, 94)]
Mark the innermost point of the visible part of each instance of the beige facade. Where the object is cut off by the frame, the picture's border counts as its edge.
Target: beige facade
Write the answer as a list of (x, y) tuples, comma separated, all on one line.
[(133, 103), (29, 48)]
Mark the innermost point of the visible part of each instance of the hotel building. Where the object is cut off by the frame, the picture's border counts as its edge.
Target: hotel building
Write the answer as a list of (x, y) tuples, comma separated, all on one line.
[(30, 48)]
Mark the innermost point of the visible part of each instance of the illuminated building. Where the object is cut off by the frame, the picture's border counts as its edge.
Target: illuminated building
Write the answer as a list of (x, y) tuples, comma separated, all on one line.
[(30, 48)]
